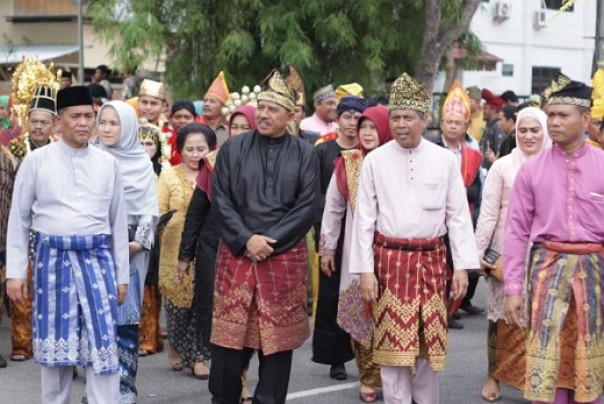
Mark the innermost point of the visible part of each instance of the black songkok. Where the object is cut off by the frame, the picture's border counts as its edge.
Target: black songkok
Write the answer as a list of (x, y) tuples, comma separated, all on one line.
[(352, 103), (73, 96), (564, 91)]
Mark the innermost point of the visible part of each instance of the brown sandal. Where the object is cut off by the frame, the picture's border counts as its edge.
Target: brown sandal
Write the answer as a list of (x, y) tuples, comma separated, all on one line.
[(175, 360)]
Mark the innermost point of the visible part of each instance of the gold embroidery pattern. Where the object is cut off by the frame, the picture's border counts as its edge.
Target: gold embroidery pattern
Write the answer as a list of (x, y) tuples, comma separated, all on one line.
[(565, 346), (261, 305), (210, 158), (353, 161), (18, 148), (410, 315)]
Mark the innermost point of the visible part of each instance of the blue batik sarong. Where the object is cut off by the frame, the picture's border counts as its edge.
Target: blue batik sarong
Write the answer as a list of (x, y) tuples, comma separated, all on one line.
[(75, 302)]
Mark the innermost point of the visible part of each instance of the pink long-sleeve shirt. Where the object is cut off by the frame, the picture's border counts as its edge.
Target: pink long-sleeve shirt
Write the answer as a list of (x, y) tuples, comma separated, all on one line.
[(555, 198)]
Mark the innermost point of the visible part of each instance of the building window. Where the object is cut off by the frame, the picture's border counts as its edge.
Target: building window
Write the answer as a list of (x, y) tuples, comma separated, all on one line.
[(556, 4), (507, 70), (542, 77)]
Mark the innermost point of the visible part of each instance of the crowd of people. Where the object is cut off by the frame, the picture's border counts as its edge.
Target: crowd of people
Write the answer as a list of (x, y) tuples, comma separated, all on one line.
[(240, 217)]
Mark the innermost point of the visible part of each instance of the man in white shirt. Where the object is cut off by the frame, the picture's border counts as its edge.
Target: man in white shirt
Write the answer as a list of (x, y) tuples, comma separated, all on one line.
[(70, 195), (410, 195)]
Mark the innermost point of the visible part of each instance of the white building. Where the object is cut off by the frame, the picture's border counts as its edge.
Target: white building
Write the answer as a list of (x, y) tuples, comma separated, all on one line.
[(535, 40)]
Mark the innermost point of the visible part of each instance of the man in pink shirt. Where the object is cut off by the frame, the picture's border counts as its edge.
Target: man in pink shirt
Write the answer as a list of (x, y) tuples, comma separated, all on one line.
[(557, 204), (410, 195), (323, 120)]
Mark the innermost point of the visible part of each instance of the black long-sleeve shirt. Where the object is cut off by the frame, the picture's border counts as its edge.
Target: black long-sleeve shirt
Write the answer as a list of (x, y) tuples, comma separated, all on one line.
[(267, 186)]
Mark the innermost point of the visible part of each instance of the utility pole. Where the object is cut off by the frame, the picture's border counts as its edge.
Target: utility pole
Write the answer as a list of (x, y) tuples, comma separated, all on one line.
[(81, 40)]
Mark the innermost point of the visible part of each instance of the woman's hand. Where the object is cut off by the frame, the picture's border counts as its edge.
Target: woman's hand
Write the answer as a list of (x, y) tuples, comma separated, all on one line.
[(183, 269)]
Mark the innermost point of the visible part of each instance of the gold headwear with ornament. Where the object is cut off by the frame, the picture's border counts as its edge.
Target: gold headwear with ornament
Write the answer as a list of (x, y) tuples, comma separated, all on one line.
[(564, 91), (294, 81), (152, 88), (348, 89), (597, 82), (30, 75), (148, 131), (219, 89), (406, 93), (457, 103), (277, 91)]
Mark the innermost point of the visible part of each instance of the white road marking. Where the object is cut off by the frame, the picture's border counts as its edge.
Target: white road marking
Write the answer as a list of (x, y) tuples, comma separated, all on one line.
[(322, 390)]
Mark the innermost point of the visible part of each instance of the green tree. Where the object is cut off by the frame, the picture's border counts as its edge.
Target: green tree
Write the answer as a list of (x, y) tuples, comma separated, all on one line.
[(326, 40)]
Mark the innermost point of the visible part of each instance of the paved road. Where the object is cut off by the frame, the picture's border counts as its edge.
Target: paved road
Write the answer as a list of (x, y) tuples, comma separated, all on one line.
[(310, 384)]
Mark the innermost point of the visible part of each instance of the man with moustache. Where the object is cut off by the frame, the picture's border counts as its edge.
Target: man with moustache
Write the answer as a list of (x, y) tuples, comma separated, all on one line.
[(213, 101), (40, 124), (410, 195), (556, 211), (265, 193), (331, 344), (81, 266)]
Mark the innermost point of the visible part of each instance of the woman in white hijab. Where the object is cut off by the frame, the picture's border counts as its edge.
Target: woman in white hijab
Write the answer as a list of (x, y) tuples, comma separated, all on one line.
[(505, 342), (117, 127)]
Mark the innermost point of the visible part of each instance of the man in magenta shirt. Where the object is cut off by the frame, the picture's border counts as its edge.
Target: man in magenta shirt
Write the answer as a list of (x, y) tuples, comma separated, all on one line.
[(557, 204)]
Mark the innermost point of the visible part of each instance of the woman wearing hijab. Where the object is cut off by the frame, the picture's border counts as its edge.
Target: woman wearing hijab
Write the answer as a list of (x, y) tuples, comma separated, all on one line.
[(242, 120), (505, 342), (340, 201), (118, 135)]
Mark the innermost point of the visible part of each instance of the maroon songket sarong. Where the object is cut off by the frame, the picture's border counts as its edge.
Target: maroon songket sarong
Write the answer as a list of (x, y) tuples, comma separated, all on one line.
[(261, 305), (410, 315)]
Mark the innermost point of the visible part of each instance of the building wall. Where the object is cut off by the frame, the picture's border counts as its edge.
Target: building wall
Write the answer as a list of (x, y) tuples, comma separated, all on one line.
[(567, 42)]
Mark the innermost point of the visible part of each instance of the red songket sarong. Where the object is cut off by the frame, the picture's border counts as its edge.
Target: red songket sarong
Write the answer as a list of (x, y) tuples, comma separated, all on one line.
[(410, 315), (261, 305)]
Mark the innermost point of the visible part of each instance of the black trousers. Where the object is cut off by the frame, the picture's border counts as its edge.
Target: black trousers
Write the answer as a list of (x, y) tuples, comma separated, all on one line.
[(228, 366), (473, 279)]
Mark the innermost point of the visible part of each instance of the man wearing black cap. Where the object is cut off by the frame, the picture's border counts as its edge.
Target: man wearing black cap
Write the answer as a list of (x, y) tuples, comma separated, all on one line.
[(66, 79), (331, 344), (80, 261), (556, 209), (41, 115)]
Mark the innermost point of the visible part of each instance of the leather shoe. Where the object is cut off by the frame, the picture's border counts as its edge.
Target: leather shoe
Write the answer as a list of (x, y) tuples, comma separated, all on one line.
[(3, 362), (456, 325), (470, 309), (338, 372)]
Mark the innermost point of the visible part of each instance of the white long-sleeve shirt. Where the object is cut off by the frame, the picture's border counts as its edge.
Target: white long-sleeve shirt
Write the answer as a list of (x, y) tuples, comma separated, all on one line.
[(412, 194), (64, 191)]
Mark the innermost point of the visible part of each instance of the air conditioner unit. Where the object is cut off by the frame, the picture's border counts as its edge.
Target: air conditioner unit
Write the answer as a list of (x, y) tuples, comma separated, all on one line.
[(502, 11), (539, 20)]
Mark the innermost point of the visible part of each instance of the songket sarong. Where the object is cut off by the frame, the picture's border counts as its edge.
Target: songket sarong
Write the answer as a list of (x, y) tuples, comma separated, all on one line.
[(261, 305), (21, 320), (75, 302), (565, 347), (506, 343), (410, 316)]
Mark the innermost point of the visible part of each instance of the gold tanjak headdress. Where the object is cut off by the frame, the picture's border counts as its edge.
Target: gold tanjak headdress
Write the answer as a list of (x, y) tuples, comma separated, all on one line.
[(407, 93), (153, 89), (277, 91), (294, 81), (564, 91), (28, 76), (457, 103), (348, 89)]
